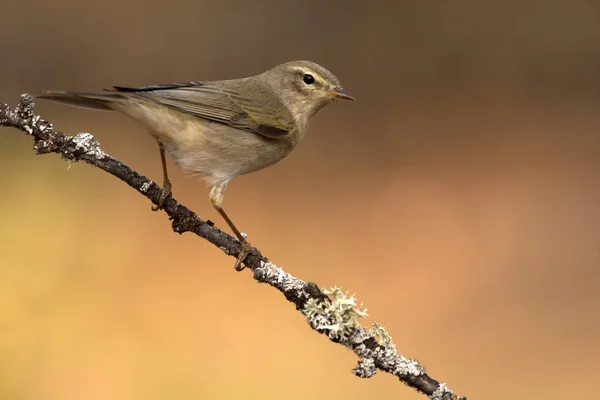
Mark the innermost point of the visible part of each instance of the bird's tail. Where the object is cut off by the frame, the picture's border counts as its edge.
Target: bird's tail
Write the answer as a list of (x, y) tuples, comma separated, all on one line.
[(96, 101)]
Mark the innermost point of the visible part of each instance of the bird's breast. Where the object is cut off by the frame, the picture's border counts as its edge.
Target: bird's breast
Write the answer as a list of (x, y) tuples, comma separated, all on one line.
[(220, 152), (217, 151)]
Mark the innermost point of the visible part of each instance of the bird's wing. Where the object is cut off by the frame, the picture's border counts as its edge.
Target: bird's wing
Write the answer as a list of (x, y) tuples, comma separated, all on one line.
[(215, 104)]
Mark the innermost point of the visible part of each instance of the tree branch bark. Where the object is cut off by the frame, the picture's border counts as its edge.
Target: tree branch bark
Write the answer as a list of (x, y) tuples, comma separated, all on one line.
[(331, 312)]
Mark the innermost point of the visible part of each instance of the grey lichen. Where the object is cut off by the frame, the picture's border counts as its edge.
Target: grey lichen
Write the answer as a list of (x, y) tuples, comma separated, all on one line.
[(357, 339), (408, 367), (337, 317), (385, 354), (277, 277), (90, 146), (366, 368), (442, 392), (390, 360)]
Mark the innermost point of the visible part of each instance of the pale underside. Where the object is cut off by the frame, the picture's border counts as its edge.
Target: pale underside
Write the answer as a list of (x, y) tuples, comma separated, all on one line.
[(216, 151)]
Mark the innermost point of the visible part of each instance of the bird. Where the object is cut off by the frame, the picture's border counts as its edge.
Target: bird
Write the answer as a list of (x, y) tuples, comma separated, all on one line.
[(222, 129)]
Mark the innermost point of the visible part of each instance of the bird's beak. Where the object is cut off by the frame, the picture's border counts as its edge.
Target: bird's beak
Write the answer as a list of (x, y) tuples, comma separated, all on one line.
[(339, 93)]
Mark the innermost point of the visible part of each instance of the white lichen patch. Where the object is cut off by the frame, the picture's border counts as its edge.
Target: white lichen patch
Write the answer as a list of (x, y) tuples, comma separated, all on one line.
[(277, 277), (90, 146), (281, 276), (440, 392), (338, 316), (406, 366), (145, 186), (388, 359), (366, 368), (43, 127)]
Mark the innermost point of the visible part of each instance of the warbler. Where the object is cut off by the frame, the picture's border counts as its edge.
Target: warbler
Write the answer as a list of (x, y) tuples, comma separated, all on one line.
[(222, 129)]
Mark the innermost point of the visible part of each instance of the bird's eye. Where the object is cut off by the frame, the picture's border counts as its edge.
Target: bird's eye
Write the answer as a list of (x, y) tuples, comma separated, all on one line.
[(308, 79)]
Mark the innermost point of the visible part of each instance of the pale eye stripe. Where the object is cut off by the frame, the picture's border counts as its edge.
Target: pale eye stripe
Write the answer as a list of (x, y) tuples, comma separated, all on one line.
[(301, 71)]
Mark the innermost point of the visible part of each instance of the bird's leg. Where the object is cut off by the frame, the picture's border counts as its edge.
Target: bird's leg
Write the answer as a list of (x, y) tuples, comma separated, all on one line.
[(166, 189), (216, 197)]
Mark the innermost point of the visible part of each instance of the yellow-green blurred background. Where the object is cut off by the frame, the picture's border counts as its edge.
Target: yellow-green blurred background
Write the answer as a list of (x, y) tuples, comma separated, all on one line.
[(458, 198)]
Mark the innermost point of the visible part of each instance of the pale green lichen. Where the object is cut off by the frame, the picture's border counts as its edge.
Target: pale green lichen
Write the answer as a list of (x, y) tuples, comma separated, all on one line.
[(380, 334), (338, 316)]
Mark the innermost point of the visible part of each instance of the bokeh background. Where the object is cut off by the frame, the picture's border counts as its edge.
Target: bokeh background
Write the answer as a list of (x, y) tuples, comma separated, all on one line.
[(458, 198)]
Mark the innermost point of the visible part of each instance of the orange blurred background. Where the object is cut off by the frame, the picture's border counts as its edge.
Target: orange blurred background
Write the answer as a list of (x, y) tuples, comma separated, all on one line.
[(458, 198)]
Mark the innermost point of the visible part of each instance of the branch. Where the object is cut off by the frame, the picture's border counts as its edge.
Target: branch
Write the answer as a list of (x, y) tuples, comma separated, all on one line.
[(331, 312)]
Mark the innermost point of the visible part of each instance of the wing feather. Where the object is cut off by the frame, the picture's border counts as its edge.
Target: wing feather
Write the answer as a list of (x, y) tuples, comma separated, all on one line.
[(216, 104)]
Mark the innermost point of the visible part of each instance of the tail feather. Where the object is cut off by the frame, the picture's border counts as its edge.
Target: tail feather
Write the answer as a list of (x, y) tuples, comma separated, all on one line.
[(96, 101)]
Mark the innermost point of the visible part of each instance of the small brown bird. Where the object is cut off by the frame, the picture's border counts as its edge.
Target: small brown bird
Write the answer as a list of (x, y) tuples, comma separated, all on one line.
[(223, 129)]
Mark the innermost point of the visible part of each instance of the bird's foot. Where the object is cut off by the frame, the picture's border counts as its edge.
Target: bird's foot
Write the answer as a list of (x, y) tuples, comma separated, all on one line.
[(164, 193), (246, 249)]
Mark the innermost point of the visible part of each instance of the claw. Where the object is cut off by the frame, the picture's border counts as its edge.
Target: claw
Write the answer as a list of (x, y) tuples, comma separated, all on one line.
[(239, 266), (164, 193)]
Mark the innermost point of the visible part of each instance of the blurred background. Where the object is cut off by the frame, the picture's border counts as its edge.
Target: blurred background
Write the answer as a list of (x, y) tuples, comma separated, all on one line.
[(458, 198)]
